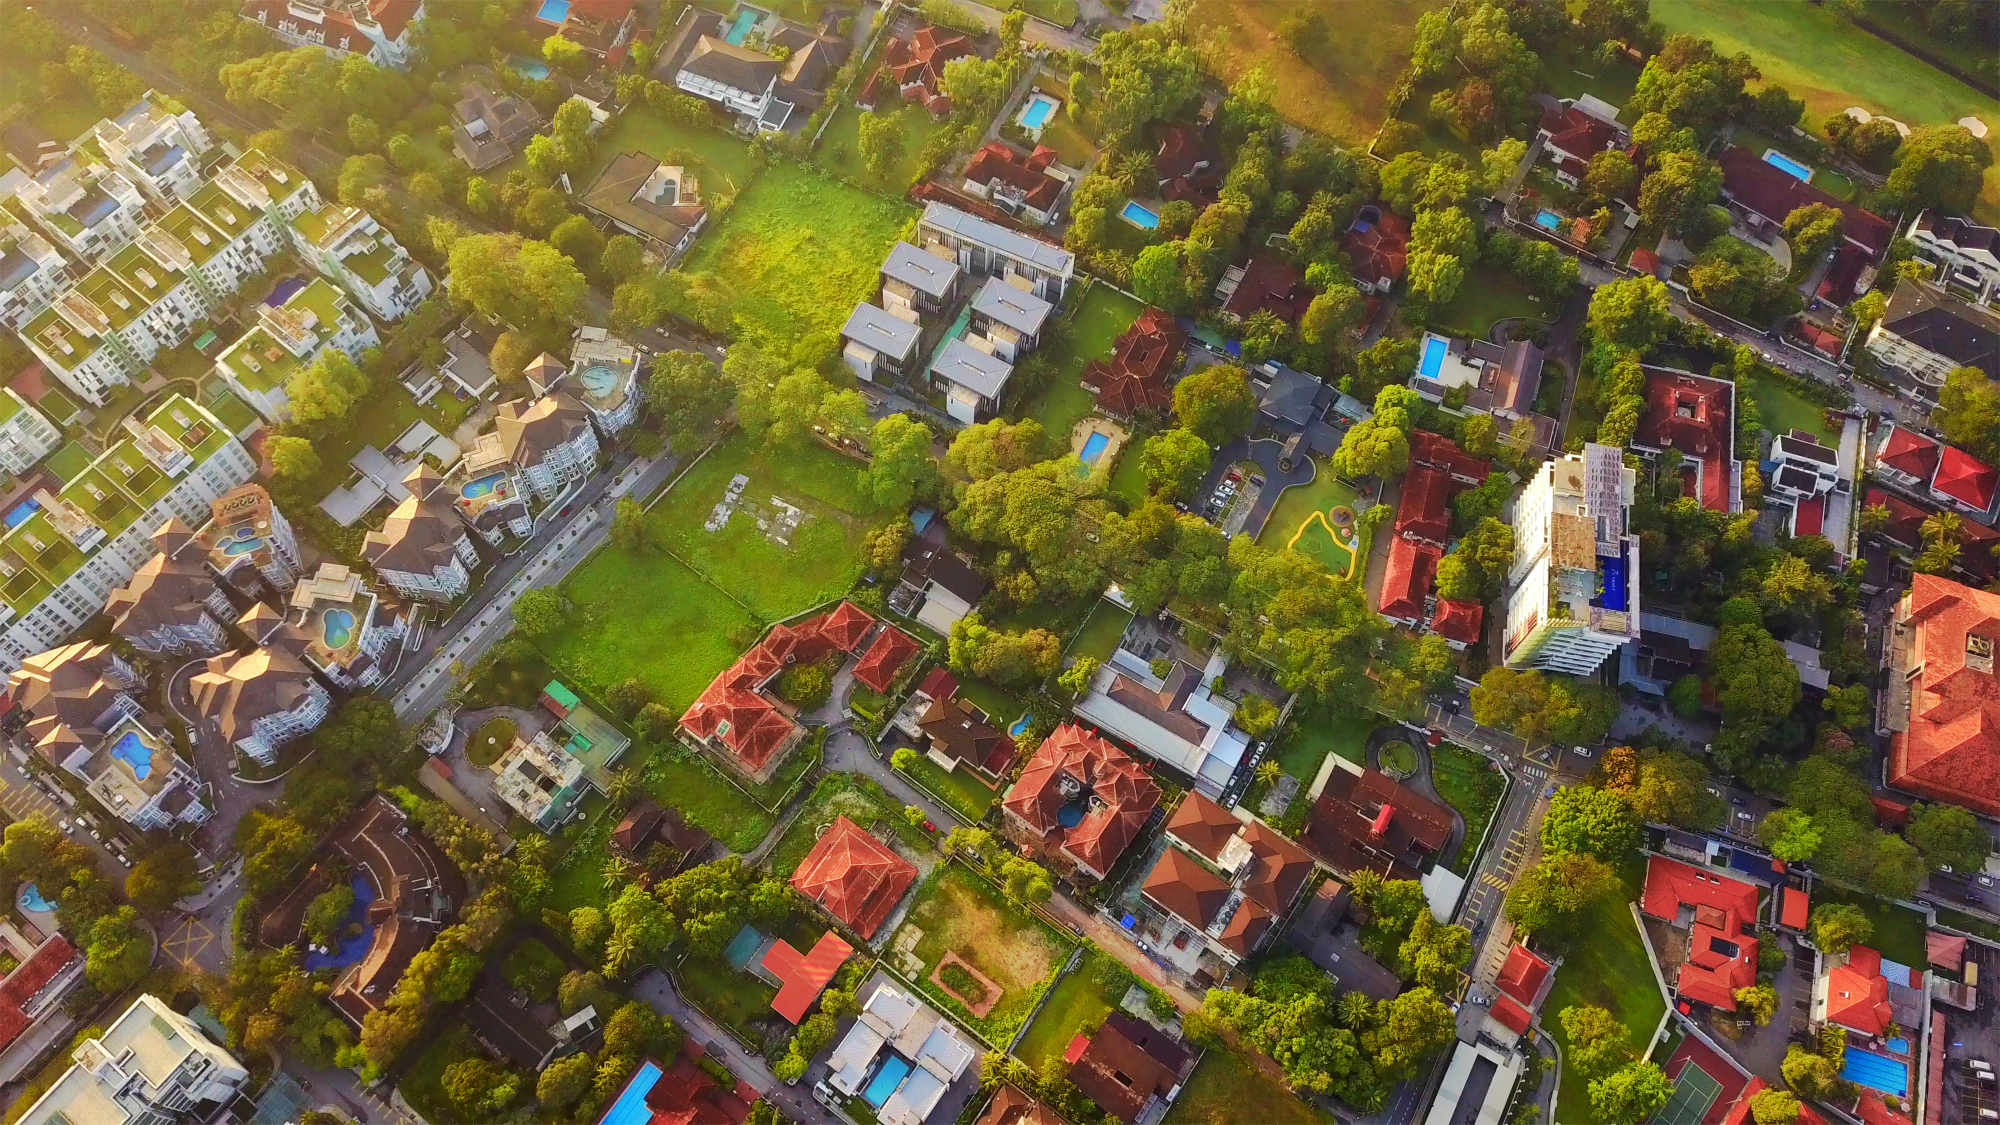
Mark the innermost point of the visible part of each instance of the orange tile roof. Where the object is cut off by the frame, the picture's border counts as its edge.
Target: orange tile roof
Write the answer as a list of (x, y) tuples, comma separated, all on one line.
[(1965, 478), (1126, 791), (1797, 908), (856, 877), (1522, 975), (1722, 950), (1857, 994), (805, 975), (1950, 749), (1458, 621), (1512, 1015), (734, 710), (891, 649)]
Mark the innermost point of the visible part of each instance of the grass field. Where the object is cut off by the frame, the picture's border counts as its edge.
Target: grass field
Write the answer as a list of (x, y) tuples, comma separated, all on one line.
[(1469, 784), (824, 557), (1226, 1089), (1317, 732), (1299, 519), (840, 147), (1102, 317), (859, 799), (1783, 409), (1899, 931), (1489, 296), (800, 248), (1128, 480), (961, 913), (1077, 1004), (1831, 64), (1072, 140), (1344, 93), (679, 777), (1101, 630), (1572, 73), (640, 130), (644, 615), (961, 789), (1607, 967)]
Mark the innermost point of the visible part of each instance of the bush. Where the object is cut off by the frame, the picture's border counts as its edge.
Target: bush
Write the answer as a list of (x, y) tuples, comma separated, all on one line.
[(965, 984), (534, 969)]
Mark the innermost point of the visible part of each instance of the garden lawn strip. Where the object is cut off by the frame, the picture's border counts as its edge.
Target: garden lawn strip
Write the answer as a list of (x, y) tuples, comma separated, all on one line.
[(960, 912), (1607, 966), (1469, 784), (1076, 1005), (962, 791), (1899, 931), (1227, 1089), (645, 615)]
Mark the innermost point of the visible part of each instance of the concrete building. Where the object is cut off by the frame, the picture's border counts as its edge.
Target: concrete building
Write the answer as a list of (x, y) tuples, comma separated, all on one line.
[(249, 541), (351, 635), (1178, 719), (312, 322), (918, 283), (738, 79), (59, 566), (1968, 254), (377, 30), (347, 245), (540, 780), (31, 272), (26, 434), (252, 202), (261, 700), (423, 551), (604, 376), (491, 126), (1080, 800), (928, 1050), (1926, 332), (89, 209), (972, 377), (535, 451), (152, 1064), (158, 146), (94, 337), (879, 346), (172, 606), (987, 249), (657, 203), (1572, 594), (1010, 318)]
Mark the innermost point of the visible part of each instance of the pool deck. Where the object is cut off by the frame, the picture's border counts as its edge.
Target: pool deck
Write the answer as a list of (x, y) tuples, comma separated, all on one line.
[(1114, 434)]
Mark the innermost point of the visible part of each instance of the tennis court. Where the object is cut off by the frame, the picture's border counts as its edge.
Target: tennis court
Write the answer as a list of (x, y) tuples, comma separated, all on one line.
[(1694, 1092)]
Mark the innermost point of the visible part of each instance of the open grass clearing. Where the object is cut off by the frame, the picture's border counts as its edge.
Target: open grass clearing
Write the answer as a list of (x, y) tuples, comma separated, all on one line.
[(1822, 58), (1099, 636), (1607, 966), (1783, 408), (679, 777), (1470, 784), (639, 129), (1075, 141), (840, 148), (960, 789), (1899, 931), (800, 249), (1128, 480), (1227, 1089), (1344, 92), (1077, 1005), (1316, 732), (490, 741), (646, 616), (1102, 316), (1487, 297), (1301, 519), (822, 559), (961, 913), (1572, 73)]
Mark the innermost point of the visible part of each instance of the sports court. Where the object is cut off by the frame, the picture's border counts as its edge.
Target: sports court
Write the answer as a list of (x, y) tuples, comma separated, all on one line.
[(1694, 1092), (1706, 1085)]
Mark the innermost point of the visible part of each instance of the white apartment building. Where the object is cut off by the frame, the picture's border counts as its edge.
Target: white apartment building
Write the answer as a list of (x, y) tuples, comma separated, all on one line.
[(422, 551), (95, 337), (31, 272), (604, 376), (1970, 252), (287, 339), (987, 249), (350, 635), (59, 566), (1573, 595), (255, 200), (89, 209), (1926, 332), (261, 700), (535, 451), (26, 434), (348, 245), (152, 1066), (377, 30), (157, 271), (214, 262), (158, 147)]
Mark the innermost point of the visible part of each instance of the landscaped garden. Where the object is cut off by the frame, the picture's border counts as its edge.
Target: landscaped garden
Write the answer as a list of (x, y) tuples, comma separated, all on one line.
[(961, 913), (1226, 1089), (1306, 519), (961, 789), (1313, 733), (775, 571), (1470, 784), (859, 799), (1783, 408), (490, 741), (840, 147), (646, 616), (639, 129), (1098, 638), (1899, 931), (799, 248), (1607, 966), (422, 1085), (1074, 142), (535, 969), (1077, 1005), (1102, 316), (1487, 297)]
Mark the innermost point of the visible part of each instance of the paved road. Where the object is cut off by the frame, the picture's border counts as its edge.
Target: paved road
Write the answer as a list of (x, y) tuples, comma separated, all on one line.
[(20, 797), (654, 987)]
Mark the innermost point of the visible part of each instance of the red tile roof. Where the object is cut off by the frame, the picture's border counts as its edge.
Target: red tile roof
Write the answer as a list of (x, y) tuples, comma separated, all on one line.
[(734, 710), (915, 68), (1946, 951), (1512, 1015), (885, 657), (1875, 1111), (1965, 478), (1696, 415), (1810, 515), (854, 876), (1188, 170), (1577, 133), (1797, 908), (1950, 749), (684, 1094), (1722, 949), (1273, 284), (1645, 261), (995, 160), (805, 975), (1144, 358), (1774, 193), (1857, 994), (27, 979), (1907, 451), (939, 683), (1522, 974), (1126, 795), (1458, 621), (1440, 452), (1425, 510), (1378, 249), (1905, 518), (1408, 577)]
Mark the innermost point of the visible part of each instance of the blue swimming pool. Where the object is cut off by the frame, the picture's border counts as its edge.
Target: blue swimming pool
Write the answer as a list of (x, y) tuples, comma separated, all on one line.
[(1611, 577), (1877, 1072), (553, 11), (1037, 112), (337, 628), (133, 751), (528, 68), (740, 29), (631, 1107), (1145, 218), (1785, 163), (743, 946), (244, 541), (1548, 220), (1900, 1046), (890, 1076), (21, 512), (599, 380), (1093, 447), (474, 489), (1433, 357), (1020, 725), (31, 899), (347, 948)]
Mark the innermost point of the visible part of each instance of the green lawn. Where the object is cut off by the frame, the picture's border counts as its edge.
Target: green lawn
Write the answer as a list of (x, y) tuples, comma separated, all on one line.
[(1103, 316), (1899, 931), (1831, 64), (640, 130), (644, 615), (1073, 141), (859, 799), (823, 558), (1469, 784), (70, 460), (1486, 297), (1062, 13), (1299, 519), (230, 410), (962, 913), (1316, 732), (388, 411), (1099, 636), (1077, 1005), (733, 997), (1226, 1089), (1128, 480), (1783, 409), (1000, 705), (800, 248), (1607, 967), (1572, 73), (1966, 52), (677, 776), (961, 789), (840, 147)]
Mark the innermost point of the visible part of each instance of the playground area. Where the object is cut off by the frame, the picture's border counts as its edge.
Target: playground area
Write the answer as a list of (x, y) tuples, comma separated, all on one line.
[(1319, 519)]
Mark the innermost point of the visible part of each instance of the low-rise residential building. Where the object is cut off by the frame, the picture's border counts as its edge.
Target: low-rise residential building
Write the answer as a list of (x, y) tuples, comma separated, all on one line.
[(535, 451), (1943, 474), (1498, 379), (423, 551), (31, 995), (1762, 195), (1181, 719), (1926, 332), (938, 586), (1131, 1069), (150, 1064), (540, 780), (213, 262), (741, 719), (854, 877), (1363, 818), (1140, 373), (414, 889), (657, 203), (158, 145), (971, 377), (895, 1033), (987, 249), (1378, 246), (258, 701), (1968, 253), (466, 371), (1855, 992), (736, 78), (1264, 284), (377, 30), (26, 434), (59, 566), (919, 282), (1942, 705), (1720, 917), (1577, 131), (1572, 597), (1438, 470), (249, 541), (878, 346), (31, 272), (157, 271), (351, 635), (1080, 800), (173, 605), (1009, 318), (254, 199), (1806, 466), (1032, 186), (912, 70), (1228, 880), (1696, 415), (604, 376), (490, 126), (348, 245), (289, 338), (603, 28), (88, 208)]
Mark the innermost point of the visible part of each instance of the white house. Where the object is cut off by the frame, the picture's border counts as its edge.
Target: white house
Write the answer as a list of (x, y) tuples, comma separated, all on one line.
[(1926, 332), (378, 30), (158, 147), (738, 79), (349, 633), (422, 551), (347, 245), (1969, 252), (604, 377), (88, 209), (31, 273), (315, 320)]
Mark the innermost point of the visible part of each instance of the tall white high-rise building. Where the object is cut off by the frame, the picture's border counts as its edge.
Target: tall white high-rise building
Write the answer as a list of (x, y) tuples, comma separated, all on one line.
[(1573, 594)]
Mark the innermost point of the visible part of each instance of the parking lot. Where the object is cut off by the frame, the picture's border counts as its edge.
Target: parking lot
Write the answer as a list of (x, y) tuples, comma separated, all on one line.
[(1972, 1049), (22, 796)]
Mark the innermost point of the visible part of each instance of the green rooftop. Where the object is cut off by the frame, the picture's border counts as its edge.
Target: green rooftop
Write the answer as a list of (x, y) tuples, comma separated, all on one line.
[(323, 299), (188, 228), (268, 169), (120, 303), (372, 267), (11, 404), (196, 430), (128, 468), (99, 495), (221, 210), (25, 588), (259, 362), (83, 347), (45, 548), (68, 461), (133, 266)]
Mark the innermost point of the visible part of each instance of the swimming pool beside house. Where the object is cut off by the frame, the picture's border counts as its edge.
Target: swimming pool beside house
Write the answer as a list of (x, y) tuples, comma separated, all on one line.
[(1548, 220), (1145, 218), (1093, 447), (1020, 726), (1037, 112), (1785, 163), (553, 11), (1432, 360), (528, 68), (1877, 1072), (740, 28), (631, 1107), (133, 751), (893, 1070)]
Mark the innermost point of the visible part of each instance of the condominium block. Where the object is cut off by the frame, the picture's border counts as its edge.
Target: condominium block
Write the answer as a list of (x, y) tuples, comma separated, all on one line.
[(89, 209), (173, 606), (158, 145), (95, 336), (423, 551), (31, 272), (287, 339), (249, 541), (534, 452), (151, 1064), (377, 30), (256, 702), (1573, 595), (348, 245), (256, 198), (604, 376), (350, 634), (26, 434)]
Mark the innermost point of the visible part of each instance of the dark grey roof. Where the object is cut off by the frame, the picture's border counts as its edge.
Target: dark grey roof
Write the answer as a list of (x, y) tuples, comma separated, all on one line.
[(1796, 479), (1962, 233), (920, 270), (1811, 450), (1935, 321), (967, 366), (1010, 243), (873, 328), (1021, 311), (1294, 396), (739, 67), (929, 558)]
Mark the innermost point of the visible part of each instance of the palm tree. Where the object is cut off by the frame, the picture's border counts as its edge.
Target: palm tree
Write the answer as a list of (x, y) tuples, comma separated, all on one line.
[(1363, 885), (1939, 528), (620, 785), (1874, 517), (615, 873), (1269, 772)]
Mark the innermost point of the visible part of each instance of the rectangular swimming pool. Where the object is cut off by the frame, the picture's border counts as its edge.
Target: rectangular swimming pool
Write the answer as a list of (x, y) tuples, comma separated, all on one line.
[(740, 29), (1093, 447), (1548, 220), (1878, 1072), (528, 68), (1145, 218), (1037, 112), (1785, 163), (894, 1069), (553, 11), (631, 1107), (1433, 357)]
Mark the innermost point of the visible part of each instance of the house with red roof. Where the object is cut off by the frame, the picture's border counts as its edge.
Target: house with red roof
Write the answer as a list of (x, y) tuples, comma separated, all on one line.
[(1719, 915), (1523, 982), (1944, 474), (1853, 993), (740, 718), (1943, 707), (886, 656), (1697, 416), (1763, 194), (854, 877), (43, 975), (1264, 285), (1644, 262), (1407, 580), (1227, 880), (1189, 168), (1964, 482), (1143, 362), (1439, 470), (1031, 185), (1377, 246), (1080, 799), (803, 976), (679, 1093), (1576, 132), (913, 70)]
